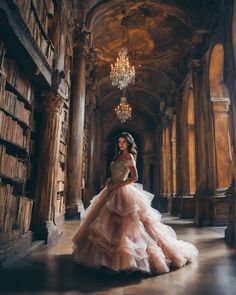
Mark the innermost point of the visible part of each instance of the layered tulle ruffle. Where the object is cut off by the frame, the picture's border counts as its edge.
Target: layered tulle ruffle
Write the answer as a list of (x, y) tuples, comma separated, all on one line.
[(120, 230)]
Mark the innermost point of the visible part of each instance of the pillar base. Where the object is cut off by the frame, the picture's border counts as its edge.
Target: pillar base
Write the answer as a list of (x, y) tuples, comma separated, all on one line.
[(48, 231), (230, 235), (175, 205), (187, 207), (163, 204), (89, 194), (74, 211), (221, 206), (203, 210)]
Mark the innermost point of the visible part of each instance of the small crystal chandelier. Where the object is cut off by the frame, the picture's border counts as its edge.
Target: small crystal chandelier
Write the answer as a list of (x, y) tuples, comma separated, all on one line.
[(123, 110), (122, 73)]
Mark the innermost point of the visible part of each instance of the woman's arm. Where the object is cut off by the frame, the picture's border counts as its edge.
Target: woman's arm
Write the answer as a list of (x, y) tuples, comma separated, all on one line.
[(133, 176)]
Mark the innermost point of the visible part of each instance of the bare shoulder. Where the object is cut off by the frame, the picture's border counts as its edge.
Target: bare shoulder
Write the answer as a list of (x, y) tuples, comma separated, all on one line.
[(130, 156), (130, 161)]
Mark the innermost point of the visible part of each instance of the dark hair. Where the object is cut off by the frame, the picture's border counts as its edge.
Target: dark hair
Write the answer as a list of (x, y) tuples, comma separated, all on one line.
[(132, 148)]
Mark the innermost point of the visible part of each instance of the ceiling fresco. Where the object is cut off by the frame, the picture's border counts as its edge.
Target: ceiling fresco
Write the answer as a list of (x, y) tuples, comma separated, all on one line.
[(159, 35)]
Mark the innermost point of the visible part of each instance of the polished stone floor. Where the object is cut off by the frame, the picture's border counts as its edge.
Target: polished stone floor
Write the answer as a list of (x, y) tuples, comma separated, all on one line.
[(52, 270)]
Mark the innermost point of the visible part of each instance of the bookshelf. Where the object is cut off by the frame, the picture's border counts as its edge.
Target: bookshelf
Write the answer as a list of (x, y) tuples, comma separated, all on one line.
[(16, 109), (61, 176), (38, 16)]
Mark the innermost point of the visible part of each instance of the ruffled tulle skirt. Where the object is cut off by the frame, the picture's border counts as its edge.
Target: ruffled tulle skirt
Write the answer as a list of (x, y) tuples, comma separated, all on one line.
[(120, 230)]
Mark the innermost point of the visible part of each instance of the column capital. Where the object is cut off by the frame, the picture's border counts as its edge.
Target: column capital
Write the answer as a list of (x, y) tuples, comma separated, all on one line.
[(220, 104), (59, 84), (82, 42), (197, 65), (52, 102), (165, 121), (169, 112), (91, 99)]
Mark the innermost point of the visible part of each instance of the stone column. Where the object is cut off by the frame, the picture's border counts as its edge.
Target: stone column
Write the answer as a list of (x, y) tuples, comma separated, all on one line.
[(234, 128), (231, 228), (157, 179), (222, 141), (148, 160), (146, 164), (74, 204), (165, 163), (187, 204), (168, 161), (90, 186), (221, 204), (46, 227), (173, 152), (98, 154), (176, 200), (203, 194)]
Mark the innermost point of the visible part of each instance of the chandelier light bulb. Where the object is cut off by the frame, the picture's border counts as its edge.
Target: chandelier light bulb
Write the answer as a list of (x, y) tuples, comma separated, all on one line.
[(123, 110), (122, 73)]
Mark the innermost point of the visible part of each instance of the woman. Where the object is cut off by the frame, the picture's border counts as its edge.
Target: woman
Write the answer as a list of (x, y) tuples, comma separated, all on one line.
[(121, 231)]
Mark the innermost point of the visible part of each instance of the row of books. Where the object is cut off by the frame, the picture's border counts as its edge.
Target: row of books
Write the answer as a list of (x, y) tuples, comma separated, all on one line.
[(34, 12), (15, 214), (85, 140), (11, 131), (11, 166), (44, 9), (60, 186), (61, 158), (2, 53), (25, 212), (63, 133), (2, 84), (62, 148), (18, 80), (10, 103), (8, 213), (59, 204), (43, 42), (60, 174)]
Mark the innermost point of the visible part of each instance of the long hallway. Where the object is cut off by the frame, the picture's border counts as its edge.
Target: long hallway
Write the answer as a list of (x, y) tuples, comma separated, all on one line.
[(84, 83), (53, 270)]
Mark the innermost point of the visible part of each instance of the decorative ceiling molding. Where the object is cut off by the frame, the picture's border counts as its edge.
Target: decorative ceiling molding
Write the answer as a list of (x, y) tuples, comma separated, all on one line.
[(150, 9)]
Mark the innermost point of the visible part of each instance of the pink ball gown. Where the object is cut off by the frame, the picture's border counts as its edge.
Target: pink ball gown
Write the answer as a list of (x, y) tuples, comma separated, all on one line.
[(121, 231)]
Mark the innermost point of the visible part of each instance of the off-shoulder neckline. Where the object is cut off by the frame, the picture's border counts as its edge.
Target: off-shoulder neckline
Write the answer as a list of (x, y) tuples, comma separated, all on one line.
[(123, 161)]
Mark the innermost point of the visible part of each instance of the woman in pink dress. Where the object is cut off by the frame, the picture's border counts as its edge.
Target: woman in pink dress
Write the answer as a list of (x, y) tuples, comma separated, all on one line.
[(121, 231)]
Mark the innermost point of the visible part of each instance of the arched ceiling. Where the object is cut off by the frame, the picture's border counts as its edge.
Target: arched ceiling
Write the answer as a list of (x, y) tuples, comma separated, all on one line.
[(159, 37)]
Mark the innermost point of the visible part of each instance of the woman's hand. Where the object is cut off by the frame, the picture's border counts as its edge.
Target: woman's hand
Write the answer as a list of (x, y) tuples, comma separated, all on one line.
[(111, 187), (108, 181)]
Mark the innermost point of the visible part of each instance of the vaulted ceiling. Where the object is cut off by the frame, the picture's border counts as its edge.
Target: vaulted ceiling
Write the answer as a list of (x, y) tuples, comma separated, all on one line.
[(160, 36)]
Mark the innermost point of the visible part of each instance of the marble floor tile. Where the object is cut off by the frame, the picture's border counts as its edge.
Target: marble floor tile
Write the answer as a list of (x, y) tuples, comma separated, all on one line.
[(52, 269)]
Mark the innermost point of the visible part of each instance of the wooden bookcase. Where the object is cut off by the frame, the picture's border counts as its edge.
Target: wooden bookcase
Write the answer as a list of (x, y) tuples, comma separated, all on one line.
[(38, 17), (26, 71), (16, 108), (61, 177)]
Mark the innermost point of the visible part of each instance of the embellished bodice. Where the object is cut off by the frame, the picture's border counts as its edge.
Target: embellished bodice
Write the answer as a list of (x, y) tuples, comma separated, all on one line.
[(119, 171)]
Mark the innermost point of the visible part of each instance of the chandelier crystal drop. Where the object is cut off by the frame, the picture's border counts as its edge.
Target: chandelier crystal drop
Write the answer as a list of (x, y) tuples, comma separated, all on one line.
[(123, 110), (122, 73)]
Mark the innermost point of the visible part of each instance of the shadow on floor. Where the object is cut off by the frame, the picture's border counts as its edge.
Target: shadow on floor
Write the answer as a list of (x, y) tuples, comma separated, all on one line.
[(62, 273)]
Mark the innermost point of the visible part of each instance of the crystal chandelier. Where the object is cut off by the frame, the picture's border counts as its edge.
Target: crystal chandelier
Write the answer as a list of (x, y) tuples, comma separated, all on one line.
[(123, 110), (122, 73)]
